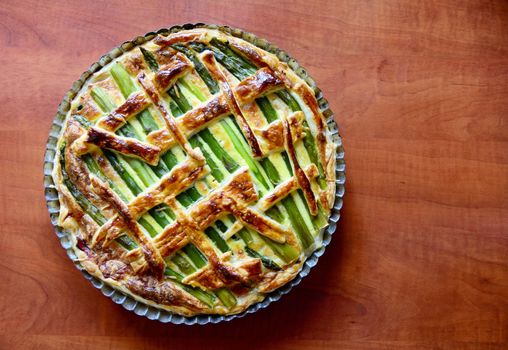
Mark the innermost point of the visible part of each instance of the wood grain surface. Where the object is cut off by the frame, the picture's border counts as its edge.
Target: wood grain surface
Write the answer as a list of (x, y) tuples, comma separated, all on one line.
[(420, 93)]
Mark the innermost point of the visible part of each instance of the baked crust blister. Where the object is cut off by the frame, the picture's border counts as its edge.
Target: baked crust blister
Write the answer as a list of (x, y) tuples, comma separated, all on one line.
[(124, 199)]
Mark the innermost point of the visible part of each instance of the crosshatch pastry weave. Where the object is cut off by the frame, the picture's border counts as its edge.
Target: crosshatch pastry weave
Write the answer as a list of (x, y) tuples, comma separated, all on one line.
[(195, 172)]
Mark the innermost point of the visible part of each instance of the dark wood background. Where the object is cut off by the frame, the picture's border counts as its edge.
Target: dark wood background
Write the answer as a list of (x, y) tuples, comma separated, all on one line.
[(420, 92)]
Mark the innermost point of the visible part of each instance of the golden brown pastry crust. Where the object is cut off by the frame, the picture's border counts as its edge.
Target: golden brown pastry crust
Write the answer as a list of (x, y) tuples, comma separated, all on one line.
[(139, 272)]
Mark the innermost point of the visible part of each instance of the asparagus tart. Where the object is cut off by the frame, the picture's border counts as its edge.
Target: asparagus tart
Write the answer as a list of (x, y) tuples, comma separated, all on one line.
[(195, 173)]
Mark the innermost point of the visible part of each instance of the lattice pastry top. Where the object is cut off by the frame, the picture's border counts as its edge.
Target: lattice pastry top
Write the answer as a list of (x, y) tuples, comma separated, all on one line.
[(195, 173)]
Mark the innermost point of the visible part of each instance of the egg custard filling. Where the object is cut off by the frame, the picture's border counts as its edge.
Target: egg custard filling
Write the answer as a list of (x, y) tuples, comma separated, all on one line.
[(195, 173)]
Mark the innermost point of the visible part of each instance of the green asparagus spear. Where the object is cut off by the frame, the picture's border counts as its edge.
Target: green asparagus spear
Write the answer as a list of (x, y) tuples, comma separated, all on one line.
[(129, 181), (268, 263), (229, 163), (101, 98), (192, 88), (175, 110), (214, 168), (285, 156), (161, 213), (239, 59), (220, 225), (205, 297), (177, 96), (289, 100), (226, 297), (148, 227), (183, 264), (286, 252), (82, 121), (169, 159), (126, 242), (195, 255), (226, 61), (150, 59), (200, 68), (217, 239), (266, 107)]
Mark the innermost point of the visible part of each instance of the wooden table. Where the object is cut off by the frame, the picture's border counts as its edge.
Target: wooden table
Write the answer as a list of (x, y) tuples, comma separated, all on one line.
[(420, 92)]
